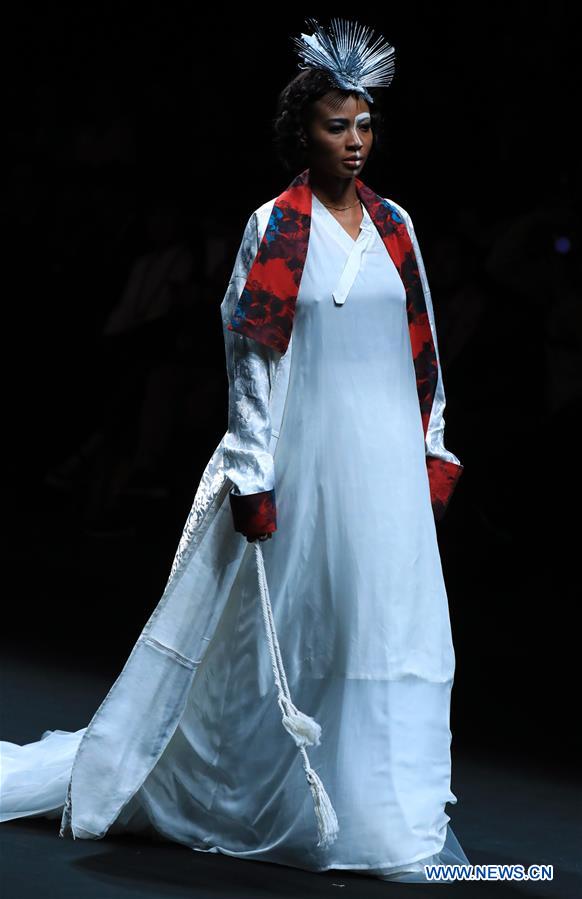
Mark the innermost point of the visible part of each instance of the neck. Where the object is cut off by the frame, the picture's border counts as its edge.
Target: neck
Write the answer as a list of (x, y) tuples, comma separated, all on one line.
[(333, 190)]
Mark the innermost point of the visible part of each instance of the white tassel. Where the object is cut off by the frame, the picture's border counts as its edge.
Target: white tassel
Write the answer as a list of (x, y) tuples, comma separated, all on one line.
[(327, 823), (303, 729)]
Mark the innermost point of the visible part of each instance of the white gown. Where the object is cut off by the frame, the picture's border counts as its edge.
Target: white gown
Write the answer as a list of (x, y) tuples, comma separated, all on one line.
[(360, 609)]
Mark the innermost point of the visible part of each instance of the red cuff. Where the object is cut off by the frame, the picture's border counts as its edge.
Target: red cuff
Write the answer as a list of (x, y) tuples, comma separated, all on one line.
[(443, 477), (254, 513)]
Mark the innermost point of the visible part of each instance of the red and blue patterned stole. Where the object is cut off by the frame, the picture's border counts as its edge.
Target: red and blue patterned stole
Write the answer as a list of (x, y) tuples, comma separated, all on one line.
[(266, 307)]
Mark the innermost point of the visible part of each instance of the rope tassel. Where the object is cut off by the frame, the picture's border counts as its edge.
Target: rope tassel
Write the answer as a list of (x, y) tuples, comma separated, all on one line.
[(327, 823), (303, 729)]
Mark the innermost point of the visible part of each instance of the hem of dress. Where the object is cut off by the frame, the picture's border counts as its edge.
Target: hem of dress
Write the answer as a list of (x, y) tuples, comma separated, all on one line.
[(373, 869)]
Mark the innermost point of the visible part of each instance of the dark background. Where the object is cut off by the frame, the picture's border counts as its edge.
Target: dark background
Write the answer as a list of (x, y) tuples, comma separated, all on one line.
[(138, 129)]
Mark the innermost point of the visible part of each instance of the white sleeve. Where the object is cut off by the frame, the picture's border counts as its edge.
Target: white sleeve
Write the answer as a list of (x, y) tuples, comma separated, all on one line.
[(435, 435), (248, 463)]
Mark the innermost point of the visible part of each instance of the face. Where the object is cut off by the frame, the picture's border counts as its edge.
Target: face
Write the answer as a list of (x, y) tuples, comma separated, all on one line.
[(340, 127)]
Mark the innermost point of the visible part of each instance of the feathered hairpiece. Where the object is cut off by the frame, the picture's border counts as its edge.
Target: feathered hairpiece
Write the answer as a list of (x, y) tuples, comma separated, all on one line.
[(345, 55)]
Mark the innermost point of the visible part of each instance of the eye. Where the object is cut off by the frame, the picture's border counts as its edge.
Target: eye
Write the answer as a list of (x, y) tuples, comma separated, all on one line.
[(335, 129)]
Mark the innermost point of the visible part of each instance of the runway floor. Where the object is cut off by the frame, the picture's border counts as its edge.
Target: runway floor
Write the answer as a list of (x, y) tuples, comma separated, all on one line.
[(507, 813)]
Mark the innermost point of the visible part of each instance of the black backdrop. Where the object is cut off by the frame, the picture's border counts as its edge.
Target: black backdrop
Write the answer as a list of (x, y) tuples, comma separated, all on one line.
[(115, 110)]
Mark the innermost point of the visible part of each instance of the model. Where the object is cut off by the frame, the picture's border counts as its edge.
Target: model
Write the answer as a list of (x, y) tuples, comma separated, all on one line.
[(303, 638)]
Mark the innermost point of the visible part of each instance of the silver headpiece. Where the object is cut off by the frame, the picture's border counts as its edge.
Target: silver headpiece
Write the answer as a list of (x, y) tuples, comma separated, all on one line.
[(345, 55)]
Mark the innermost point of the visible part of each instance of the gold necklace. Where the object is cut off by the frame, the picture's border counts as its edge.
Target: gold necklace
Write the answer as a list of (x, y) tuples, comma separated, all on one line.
[(340, 208)]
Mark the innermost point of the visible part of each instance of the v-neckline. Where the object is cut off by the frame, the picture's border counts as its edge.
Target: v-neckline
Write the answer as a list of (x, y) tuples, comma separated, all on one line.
[(353, 240)]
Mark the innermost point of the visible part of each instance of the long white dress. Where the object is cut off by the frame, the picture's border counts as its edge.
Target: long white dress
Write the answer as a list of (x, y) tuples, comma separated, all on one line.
[(360, 608)]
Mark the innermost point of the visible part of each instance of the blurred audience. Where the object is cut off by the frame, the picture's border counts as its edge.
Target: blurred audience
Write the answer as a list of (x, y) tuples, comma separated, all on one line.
[(142, 349)]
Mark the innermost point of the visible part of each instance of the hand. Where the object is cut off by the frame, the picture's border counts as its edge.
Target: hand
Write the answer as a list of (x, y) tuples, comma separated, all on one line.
[(261, 537)]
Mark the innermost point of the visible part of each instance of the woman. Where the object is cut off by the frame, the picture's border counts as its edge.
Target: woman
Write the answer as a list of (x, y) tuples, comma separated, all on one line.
[(335, 447)]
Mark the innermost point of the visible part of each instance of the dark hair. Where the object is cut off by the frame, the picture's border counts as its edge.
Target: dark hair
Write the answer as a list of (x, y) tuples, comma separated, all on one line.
[(292, 117)]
